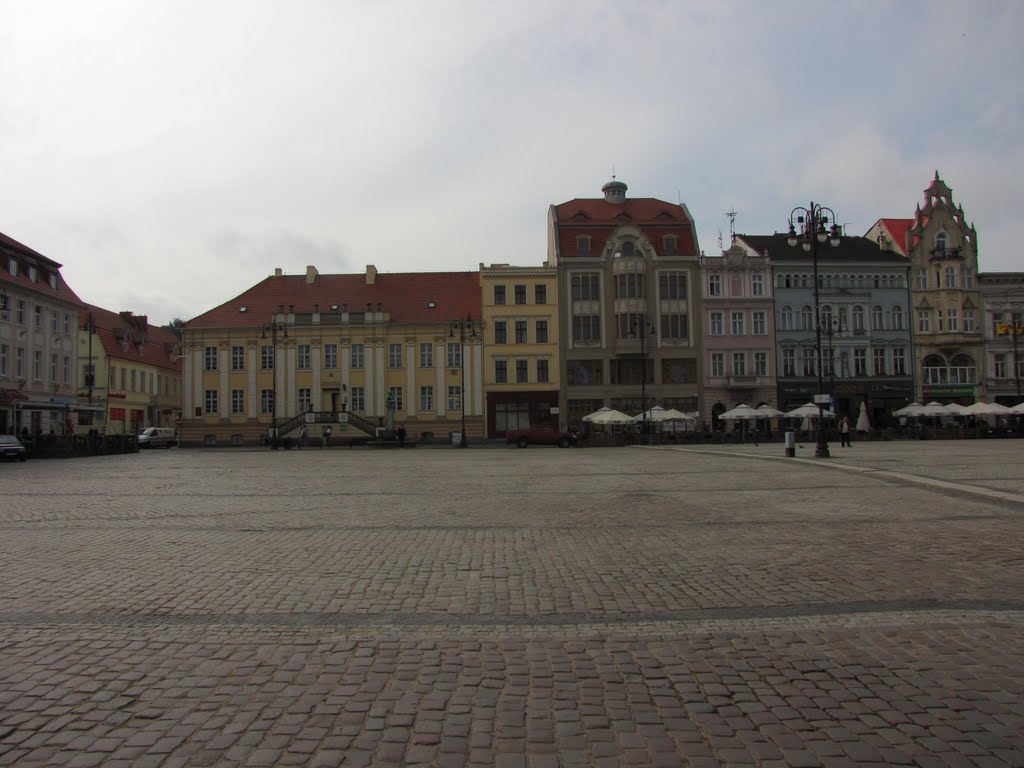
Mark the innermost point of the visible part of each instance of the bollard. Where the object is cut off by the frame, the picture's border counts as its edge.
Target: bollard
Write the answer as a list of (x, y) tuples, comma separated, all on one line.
[(790, 445)]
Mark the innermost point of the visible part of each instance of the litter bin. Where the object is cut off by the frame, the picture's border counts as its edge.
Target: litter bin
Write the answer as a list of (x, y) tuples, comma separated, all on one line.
[(790, 444)]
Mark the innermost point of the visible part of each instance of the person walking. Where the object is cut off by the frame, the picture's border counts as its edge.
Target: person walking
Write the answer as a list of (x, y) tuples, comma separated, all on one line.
[(844, 432)]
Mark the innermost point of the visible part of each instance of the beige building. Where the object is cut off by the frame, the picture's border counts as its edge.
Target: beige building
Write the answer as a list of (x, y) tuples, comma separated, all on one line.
[(1002, 295), (629, 304), (354, 352), (520, 328)]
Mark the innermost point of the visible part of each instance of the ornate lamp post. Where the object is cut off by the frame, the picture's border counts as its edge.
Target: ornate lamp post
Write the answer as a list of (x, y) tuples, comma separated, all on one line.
[(467, 330), (642, 328), (273, 328), (812, 221)]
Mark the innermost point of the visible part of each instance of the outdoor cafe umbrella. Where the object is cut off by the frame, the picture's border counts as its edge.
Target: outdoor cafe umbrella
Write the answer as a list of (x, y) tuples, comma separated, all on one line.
[(957, 410), (740, 412), (989, 409), (934, 409), (598, 412), (809, 410), (656, 413), (767, 412), (863, 423), (610, 416), (1018, 408), (672, 414), (914, 409)]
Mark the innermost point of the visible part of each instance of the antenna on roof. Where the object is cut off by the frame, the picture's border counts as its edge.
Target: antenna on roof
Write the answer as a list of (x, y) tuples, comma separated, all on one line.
[(731, 216), (720, 246), (613, 173)]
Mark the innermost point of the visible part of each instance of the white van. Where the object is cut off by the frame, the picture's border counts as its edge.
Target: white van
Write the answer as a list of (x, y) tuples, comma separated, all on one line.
[(157, 437)]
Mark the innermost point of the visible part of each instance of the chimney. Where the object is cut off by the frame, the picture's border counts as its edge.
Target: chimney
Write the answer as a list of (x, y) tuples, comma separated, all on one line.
[(278, 272), (311, 274), (371, 274)]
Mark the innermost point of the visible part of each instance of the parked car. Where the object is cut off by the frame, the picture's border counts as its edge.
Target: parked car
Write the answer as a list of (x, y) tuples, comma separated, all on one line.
[(12, 449), (540, 434), (156, 437)]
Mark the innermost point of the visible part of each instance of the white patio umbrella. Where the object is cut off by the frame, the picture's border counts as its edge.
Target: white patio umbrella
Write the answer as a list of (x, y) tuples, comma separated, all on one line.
[(863, 423), (914, 409), (934, 409), (809, 410), (598, 412), (673, 415), (611, 416), (1018, 408), (656, 413), (987, 409), (740, 412), (957, 410), (767, 412)]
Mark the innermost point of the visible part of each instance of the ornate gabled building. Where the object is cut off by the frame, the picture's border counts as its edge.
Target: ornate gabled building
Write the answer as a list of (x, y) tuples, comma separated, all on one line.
[(945, 296), (344, 351), (130, 369), (738, 330), (1002, 295), (628, 302)]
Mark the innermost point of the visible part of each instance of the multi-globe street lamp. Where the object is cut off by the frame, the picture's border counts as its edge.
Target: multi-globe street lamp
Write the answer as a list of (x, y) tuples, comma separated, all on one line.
[(273, 328), (813, 232), (466, 330), (642, 328)]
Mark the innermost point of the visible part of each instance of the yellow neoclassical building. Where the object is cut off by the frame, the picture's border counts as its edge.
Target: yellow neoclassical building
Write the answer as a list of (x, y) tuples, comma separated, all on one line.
[(353, 352)]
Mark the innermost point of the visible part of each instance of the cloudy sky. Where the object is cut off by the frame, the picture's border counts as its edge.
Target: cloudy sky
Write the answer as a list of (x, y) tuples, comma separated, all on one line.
[(172, 154)]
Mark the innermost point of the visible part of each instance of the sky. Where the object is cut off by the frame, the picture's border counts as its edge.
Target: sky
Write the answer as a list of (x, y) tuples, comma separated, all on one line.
[(171, 154)]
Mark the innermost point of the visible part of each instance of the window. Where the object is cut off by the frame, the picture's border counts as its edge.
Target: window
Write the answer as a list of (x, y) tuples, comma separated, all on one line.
[(583, 245), (952, 320), (305, 399), (860, 362), (967, 279), (876, 318), (542, 331), (543, 375), (38, 313), (951, 277), (238, 358), (132, 378), (304, 358), (19, 312), (760, 363), (674, 326), (586, 328), (499, 294), (454, 354), (672, 285), (714, 285), (357, 357), (717, 324), (238, 401), (426, 355), (897, 318), (968, 321), (37, 365), (19, 363), (760, 323), (54, 321), (53, 368), (924, 321), (358, 402), (757, 284), (806, 319), (809, 362), (718, 364), (671, 245), (211, 358), (739, 363), (330, 355), (522, 372), (632, 325), (521, 332), (266, 400), (878, 361), (738, 325), (426, 398), (67, 323), (786, 319), (454, 397), (922, 279), (585, 285), (266, 357), (124, 378), (5, 352), (395, 398), (500, 372), (899, 361), (210, 401), (540, 294), (630, 286), (520, 294), (585, 372), (394, 356), (500, 332), (858, 318)]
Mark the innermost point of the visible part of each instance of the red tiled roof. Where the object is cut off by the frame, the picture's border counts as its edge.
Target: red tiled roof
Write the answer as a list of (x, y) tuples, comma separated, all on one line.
[(406, 296), (111, 328), (898, 229), (44, 265), (598, 218)]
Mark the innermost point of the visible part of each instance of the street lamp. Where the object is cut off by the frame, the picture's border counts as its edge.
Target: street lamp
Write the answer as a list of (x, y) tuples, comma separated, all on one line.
[(273, 327), (467, 330), (90, 374), (642, 328), (812, 221)]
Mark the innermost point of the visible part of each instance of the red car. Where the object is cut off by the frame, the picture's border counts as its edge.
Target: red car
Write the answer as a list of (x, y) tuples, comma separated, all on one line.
[(540, 434)]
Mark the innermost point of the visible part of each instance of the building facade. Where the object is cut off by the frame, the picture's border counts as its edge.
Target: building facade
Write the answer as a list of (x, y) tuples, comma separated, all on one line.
[(865, 334), (312, 348), (1002, 296), (130, 371), (520, 325), (38, 343), (628, 302), (738, 331), (945, 296)]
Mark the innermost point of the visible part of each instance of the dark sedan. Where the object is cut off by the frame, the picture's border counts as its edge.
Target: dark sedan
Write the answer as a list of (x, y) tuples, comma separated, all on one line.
[(11, 449)]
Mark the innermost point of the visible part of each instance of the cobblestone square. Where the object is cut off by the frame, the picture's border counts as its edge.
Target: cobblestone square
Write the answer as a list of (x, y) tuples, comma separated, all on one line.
[(496, 606)]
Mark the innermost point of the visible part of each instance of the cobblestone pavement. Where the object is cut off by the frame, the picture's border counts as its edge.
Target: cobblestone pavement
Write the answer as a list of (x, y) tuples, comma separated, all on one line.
[(539, 607)]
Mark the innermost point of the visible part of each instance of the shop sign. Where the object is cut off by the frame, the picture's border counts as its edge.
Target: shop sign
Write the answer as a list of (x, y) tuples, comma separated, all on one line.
[(950, 391)]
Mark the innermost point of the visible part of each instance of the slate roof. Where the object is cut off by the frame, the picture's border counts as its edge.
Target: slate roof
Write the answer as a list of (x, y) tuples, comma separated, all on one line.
[(406, 296), (851, 249)]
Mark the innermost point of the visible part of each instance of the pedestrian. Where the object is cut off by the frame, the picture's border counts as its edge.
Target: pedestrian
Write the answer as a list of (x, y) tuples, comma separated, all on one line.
[(844, 432), (400, 432), (327, 437), (303, 435)]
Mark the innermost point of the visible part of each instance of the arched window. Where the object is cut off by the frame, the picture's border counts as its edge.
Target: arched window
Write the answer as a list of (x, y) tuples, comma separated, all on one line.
[(826, 316), (941, 243), (962, 369), (934, 369), (844, 324), (876, 318), (786, 318), (897, 318), (806, 318), (858, 317)]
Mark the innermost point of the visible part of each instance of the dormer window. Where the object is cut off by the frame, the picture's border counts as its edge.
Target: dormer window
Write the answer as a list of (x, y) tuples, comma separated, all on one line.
[(583, 245), (53, 281), (12, 266), (671, 245), (32, 273)]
